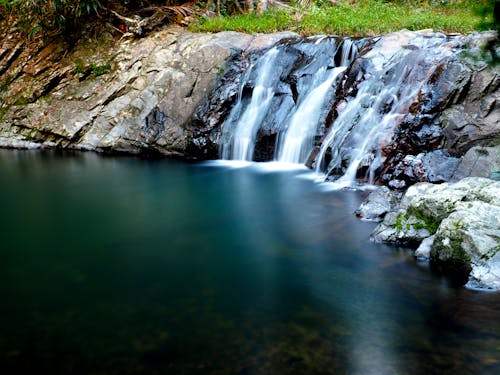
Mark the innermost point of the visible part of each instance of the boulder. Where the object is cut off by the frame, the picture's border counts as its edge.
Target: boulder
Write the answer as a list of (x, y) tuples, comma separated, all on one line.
[(457, 226), (377, 204), (467, 244)]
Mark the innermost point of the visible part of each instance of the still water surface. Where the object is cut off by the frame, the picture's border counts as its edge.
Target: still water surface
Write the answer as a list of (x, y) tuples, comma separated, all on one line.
[(122, 265)]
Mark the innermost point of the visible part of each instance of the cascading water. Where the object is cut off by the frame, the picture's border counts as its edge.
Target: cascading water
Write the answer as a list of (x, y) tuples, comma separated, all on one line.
[(366, 90), (396, 79), (299, 136), (293, 85), (298, 140), (245, 128)]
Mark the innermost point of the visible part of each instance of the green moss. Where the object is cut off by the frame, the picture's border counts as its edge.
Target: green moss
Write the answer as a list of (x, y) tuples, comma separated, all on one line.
[(21, 101), (80, 67), (428, 223), (99, 70), (419, 226), (452, 251), (400, 220), (423, 222), (490, 254)]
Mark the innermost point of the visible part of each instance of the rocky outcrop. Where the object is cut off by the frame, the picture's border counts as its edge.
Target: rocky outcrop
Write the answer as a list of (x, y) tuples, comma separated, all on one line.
[(171, 93), (479, 161), (457, 226), (139, 96), (458, 111)]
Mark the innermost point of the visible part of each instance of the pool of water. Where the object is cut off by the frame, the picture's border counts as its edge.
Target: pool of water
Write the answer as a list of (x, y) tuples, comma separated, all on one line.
[(127, 266)]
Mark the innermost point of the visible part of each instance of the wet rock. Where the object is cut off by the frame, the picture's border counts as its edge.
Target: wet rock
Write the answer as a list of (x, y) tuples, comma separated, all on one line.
[(457, 225), (458, 109), (377, 204), (473, 119), (434, 166), (397, 184), (403, 228)]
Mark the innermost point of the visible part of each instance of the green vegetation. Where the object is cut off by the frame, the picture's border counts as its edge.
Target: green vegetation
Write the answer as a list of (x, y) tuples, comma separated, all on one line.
[(422, 222), (360, 18), (97, 70), (341, 17), (50, 15), (428, 223)]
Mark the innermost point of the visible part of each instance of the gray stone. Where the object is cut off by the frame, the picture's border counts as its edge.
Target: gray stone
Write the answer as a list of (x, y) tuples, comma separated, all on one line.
[(479, 161), (471, 235), (423, 252), (377, 204), (403, 228), (456, 224), (145, 102)]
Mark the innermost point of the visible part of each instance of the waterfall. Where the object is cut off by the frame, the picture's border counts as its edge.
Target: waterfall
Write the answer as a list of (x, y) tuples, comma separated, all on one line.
[(299, 135), (335, 105), (245, 128), (366, 122)]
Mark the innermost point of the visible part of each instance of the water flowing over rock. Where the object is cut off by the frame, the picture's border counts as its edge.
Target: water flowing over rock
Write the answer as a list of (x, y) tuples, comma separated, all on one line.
[(394, 110), (457, 226), (283, 99), (380, 113)]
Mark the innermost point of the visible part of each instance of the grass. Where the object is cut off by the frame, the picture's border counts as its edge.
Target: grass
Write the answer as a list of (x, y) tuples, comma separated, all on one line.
[(364, 18)]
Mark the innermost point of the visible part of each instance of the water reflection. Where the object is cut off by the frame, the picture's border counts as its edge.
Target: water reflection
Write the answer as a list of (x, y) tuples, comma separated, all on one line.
[(122, 265)]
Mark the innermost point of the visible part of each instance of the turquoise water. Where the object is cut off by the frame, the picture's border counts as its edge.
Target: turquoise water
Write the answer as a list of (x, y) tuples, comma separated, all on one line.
[(129, 266)]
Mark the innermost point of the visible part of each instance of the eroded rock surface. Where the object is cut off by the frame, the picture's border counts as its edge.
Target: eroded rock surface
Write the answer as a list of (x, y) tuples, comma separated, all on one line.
[(138, 98), (456, 224)]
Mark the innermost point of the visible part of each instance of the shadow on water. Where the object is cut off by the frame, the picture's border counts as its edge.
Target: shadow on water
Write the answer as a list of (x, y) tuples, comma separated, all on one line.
[(122, 265)]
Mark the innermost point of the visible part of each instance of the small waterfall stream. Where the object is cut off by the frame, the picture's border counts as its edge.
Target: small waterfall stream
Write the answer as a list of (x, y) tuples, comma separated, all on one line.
[(335, 104), (298, 138), (243, 137)]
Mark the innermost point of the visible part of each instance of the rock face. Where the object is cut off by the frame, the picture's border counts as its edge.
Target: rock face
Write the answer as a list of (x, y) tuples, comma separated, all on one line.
[(479, 161), (459, 112), (137, 97), (457, 225), (171, 94)]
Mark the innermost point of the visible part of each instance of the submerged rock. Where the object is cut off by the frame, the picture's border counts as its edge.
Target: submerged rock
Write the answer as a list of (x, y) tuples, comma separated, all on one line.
[(457, 226)]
